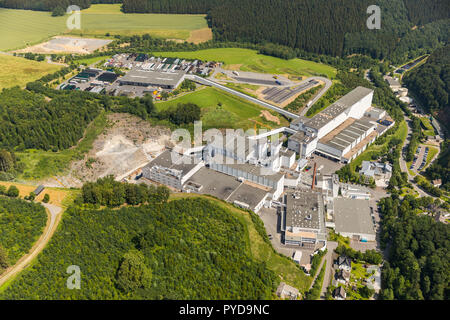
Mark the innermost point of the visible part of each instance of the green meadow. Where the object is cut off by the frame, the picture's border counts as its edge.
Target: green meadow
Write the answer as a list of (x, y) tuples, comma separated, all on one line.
[(251, 60), (17, 71), (222, 110)]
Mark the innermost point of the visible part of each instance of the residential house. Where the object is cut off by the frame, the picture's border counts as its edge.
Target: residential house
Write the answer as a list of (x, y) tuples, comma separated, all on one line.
[(339, 293), (344, 263), (342, 276)]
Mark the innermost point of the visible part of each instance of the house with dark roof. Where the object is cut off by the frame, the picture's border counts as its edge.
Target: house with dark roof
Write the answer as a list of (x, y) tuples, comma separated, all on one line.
[(339, 293), (342, 276), (344, 263)]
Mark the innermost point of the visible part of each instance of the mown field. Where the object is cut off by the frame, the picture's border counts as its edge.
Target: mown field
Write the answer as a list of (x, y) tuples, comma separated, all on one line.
[(107, 18), (250, 60), (21, 28), (17, 71), (222, 110)]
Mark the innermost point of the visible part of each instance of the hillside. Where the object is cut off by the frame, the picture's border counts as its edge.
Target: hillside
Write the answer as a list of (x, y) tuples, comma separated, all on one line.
[(184, 249), (320, 26), (21, 224)]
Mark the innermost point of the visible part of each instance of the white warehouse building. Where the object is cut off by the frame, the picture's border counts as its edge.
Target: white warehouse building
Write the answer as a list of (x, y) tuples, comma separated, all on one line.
[(336, 130)]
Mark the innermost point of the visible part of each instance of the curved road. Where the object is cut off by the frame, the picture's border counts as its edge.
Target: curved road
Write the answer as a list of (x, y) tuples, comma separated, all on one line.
[(54, 217), (328, 84), (404, 166)]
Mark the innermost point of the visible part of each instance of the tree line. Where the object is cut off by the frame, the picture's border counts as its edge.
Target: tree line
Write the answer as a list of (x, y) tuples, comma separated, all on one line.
[(50, 5), (108, 192), (335, 28)]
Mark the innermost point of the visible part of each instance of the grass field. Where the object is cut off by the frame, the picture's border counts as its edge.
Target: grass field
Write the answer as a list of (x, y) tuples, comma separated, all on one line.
[(17, 71), (43, 164), (250, 60), (57, 196), (21, 28), (428, 128), (284, 267), (232, 113), (431, 154)]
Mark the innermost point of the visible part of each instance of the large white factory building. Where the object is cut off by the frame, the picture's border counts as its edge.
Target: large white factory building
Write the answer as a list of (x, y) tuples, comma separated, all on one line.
[(342, 131)]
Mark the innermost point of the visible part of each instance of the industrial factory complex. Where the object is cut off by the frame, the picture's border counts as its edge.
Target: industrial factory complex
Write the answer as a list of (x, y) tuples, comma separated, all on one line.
[(254, 172), (266, 170)]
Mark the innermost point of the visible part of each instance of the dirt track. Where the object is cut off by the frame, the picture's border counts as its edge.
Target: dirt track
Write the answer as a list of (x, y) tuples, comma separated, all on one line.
[(53, 219)]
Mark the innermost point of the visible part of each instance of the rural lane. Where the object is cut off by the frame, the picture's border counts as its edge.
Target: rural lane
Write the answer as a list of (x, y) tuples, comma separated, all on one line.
[(54, 216), (331, 246)]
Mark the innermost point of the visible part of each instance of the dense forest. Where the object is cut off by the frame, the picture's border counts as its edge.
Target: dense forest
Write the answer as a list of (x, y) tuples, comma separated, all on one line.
[(431, 81), (419, 250), (21, 224), (108, 192), (49, 5), (183, 249), (27, 120), (336, 28), (320, 26)]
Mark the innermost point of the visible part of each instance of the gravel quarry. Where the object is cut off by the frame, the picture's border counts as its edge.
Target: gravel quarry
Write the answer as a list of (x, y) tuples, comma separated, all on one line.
[(126, 145)]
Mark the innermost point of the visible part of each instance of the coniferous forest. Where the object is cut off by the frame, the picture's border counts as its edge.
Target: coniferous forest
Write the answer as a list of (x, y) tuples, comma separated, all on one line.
[(184, 249)]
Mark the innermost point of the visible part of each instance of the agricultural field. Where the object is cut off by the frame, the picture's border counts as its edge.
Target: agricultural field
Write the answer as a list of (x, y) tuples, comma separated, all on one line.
[(23, 28), (250, 60), (19, 71), (222, 110), (58, 196), (107, 18)]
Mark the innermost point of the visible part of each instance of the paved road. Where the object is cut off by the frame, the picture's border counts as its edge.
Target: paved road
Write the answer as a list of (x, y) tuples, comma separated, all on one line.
[(54, 217), (331, 246), (404, 166), (328, 84)]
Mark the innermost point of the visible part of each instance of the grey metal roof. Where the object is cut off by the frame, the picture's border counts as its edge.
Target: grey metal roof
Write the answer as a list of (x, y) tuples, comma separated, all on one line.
[(152, 77), (340, 106), (165, 160), (353, 216), (248, 195)]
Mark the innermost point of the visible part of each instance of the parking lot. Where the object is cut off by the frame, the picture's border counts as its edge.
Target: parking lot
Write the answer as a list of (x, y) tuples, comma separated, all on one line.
[(420, 158), (280, 95)]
